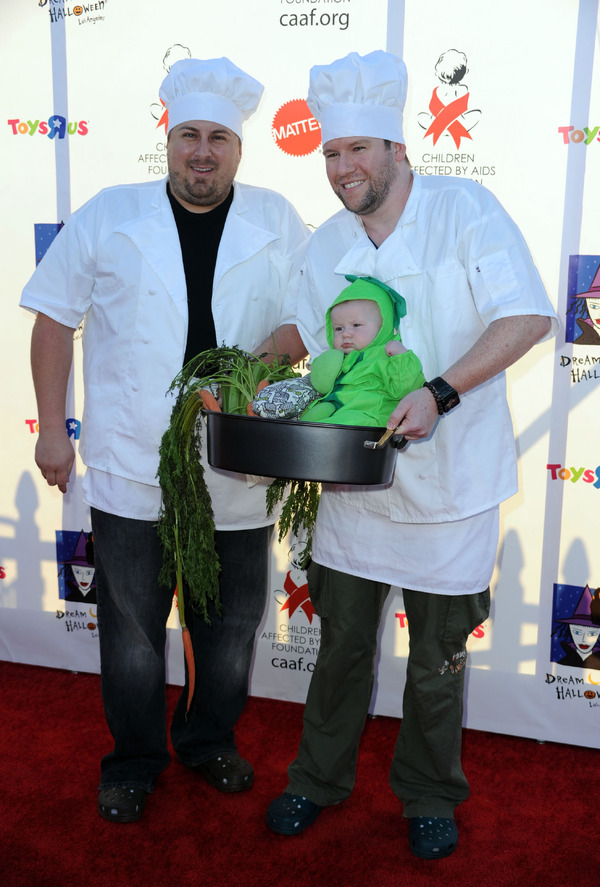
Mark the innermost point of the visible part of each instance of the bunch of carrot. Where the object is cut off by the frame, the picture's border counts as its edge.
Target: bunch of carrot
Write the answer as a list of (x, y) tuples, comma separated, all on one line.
[(186, 526)]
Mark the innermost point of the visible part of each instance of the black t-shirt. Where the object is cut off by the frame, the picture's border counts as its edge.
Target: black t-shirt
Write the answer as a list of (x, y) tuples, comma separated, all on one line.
[(199, 236)]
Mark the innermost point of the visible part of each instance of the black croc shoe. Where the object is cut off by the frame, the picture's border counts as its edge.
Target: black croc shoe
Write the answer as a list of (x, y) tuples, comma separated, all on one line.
[(227, 772), (291, 814), (432, 837), (121, 803)]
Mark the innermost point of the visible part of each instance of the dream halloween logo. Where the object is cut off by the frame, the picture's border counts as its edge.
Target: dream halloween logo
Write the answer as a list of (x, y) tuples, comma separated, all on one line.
[(575, 642), (77, 582), (82, 13)]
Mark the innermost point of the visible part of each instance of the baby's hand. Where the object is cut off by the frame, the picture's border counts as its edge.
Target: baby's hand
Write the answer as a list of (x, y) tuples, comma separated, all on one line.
[(394, 347)]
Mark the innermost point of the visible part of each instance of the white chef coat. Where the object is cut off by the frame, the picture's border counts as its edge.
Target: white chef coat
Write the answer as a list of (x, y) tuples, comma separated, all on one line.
[(117, 262), (460, 262)]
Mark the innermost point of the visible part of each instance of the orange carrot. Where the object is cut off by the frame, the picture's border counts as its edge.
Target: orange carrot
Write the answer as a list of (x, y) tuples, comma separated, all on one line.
[(262, 384), (209, 401), (187, 647), (189, 658)]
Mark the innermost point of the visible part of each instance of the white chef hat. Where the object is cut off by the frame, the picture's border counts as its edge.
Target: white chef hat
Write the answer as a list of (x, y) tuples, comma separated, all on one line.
[(210, 89), (359, 96)]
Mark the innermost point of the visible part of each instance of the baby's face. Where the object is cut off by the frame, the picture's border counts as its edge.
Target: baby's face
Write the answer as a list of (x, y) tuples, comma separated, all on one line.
[(355, 324)]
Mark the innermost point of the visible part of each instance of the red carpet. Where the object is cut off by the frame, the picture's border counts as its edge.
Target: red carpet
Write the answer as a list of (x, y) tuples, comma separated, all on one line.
[(530, 820)]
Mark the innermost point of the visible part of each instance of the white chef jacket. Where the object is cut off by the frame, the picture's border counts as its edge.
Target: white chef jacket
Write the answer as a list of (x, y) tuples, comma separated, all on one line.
[(117, 263), (460, 262)]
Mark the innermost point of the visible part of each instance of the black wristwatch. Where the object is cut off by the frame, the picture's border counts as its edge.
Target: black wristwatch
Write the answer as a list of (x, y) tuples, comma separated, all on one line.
[(446, 397)]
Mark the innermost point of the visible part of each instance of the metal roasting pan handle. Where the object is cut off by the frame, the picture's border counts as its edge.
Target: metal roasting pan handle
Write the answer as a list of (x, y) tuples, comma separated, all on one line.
[(379, 444)]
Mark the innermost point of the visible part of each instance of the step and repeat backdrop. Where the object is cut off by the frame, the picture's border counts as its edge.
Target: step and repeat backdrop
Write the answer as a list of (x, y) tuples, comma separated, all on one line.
[(507, 94)]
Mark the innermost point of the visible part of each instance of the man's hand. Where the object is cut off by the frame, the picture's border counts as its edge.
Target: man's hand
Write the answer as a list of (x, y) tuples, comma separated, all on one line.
[(54, 456), (415, 415)]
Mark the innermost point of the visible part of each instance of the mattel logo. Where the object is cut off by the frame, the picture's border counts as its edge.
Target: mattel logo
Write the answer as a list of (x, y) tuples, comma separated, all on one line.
[(295, 130), (55, 126)]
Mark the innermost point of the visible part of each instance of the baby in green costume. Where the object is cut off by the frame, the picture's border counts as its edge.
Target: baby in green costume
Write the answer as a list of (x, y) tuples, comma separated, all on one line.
[(368, 369)]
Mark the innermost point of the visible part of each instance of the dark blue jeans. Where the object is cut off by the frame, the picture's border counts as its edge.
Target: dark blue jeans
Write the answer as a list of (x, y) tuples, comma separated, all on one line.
[(132, 613), (223, 650)]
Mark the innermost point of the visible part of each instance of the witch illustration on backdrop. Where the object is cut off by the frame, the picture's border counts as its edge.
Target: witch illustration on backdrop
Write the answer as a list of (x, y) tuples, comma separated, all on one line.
[(80, 584), (585, 309), (581, 632)]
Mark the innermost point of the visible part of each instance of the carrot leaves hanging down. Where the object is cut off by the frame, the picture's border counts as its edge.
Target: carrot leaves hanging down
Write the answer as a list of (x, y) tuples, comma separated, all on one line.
[(299, 511), (186, 525)]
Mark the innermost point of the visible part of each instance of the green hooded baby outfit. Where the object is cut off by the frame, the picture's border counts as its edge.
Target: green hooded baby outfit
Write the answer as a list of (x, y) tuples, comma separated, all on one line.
[(364, 387)]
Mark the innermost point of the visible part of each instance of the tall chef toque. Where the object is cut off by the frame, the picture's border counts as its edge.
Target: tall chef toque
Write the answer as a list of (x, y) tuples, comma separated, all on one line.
[(210, 89), (360, 96)]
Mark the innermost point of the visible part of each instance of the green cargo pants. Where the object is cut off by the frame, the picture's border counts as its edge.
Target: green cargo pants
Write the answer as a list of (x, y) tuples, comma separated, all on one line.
[(426, 772)]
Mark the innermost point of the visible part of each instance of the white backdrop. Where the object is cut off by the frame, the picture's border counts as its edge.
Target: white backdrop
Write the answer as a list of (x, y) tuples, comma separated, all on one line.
[(528, 129)]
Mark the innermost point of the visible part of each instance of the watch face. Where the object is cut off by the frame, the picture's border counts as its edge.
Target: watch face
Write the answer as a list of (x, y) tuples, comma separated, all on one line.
[(451, 401)]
